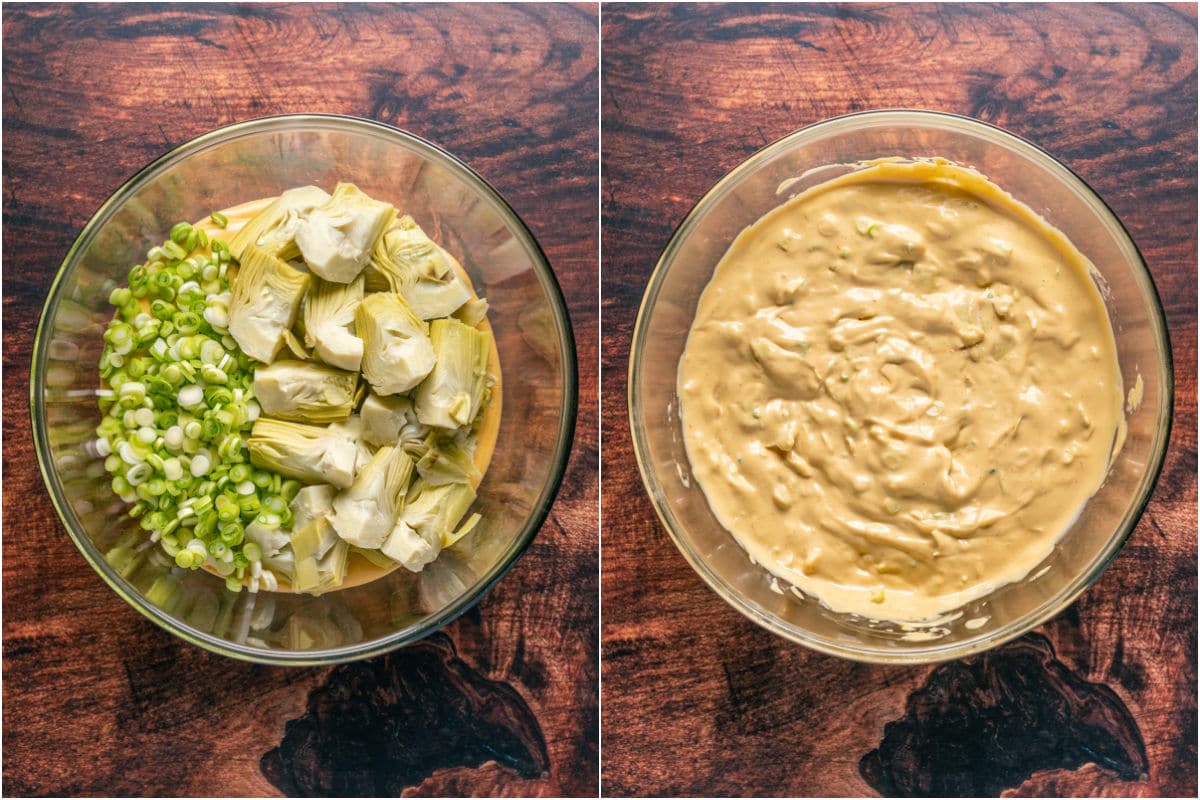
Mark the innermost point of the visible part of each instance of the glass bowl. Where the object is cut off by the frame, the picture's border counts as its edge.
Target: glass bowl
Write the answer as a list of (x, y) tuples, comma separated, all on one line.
[(533, 334), (765, 180)]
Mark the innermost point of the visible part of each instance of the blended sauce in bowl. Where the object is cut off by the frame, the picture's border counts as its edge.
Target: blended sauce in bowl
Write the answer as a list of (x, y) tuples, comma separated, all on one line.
[(899, 389)]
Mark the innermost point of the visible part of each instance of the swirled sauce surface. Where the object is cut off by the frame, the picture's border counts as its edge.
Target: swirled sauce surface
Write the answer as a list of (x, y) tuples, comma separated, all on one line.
[(899, 389)]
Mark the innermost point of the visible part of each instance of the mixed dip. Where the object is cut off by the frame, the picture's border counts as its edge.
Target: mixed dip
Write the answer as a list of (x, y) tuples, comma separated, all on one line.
[(899, 389)]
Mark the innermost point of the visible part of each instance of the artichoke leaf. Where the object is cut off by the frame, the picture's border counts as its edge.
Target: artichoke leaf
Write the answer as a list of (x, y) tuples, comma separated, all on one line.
[(447, 461), (451, 539), (295, 345)]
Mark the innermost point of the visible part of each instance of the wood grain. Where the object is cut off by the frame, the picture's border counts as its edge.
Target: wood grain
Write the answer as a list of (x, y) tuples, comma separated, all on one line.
[(97, 699), (697, 699)]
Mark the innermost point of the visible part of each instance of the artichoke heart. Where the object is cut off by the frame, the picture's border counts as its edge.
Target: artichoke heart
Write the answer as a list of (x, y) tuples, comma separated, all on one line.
[(364, 514), (383, 418), (473, 312), (308, 453), (310, 503), (316, 575), (413, 549), (265, 297), (447, 461), (337, 237), (329, 322), (273, 229), (271, 539), (428, 523), (299, 391), (455, 389), (374, 557), (351, 428), (397, 351), (415, 266), (314, 539), (282, 563)]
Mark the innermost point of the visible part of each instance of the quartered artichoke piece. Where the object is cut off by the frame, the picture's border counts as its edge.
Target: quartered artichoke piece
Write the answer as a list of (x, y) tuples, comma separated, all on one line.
[(337, 237), (364, 514), (308, 453), (428, 521), (351, 429), (374, 556), (413, 549), (282, 563), (305, 392), (473, 312), (412, 264), (329, 322), (273, 230), (313, 539), (383, 418), (397, 352), (447, 460), (318, 573), (311, 502), (264, 299), (456, 387)]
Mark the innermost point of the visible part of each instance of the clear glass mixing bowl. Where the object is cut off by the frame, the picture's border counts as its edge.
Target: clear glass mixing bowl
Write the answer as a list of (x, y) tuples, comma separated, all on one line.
[(533, 333), (762, 182)]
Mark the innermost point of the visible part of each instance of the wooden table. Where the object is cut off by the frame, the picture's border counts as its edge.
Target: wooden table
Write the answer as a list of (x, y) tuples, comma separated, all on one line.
[(697, 699), (97, 700)]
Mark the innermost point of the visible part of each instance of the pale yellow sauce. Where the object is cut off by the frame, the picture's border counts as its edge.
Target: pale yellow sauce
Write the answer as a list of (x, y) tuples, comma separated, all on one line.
[(899, 389), (358, 569)]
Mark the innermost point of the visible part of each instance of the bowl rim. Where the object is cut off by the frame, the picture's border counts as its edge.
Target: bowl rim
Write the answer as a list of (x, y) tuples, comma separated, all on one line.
[(1074, 588), (541, 506)]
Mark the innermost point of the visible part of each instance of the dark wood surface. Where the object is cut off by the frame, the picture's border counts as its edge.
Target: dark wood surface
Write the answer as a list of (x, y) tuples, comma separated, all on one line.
[(699, 700), (97, 700)]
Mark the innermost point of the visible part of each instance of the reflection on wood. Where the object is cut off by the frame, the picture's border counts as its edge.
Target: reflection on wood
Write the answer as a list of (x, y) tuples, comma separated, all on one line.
[(985, 724), (378, 727)]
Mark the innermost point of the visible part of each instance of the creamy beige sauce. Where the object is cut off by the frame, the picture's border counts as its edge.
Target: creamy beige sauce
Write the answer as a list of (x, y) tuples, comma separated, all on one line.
[(358, 569), (899, 389)]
